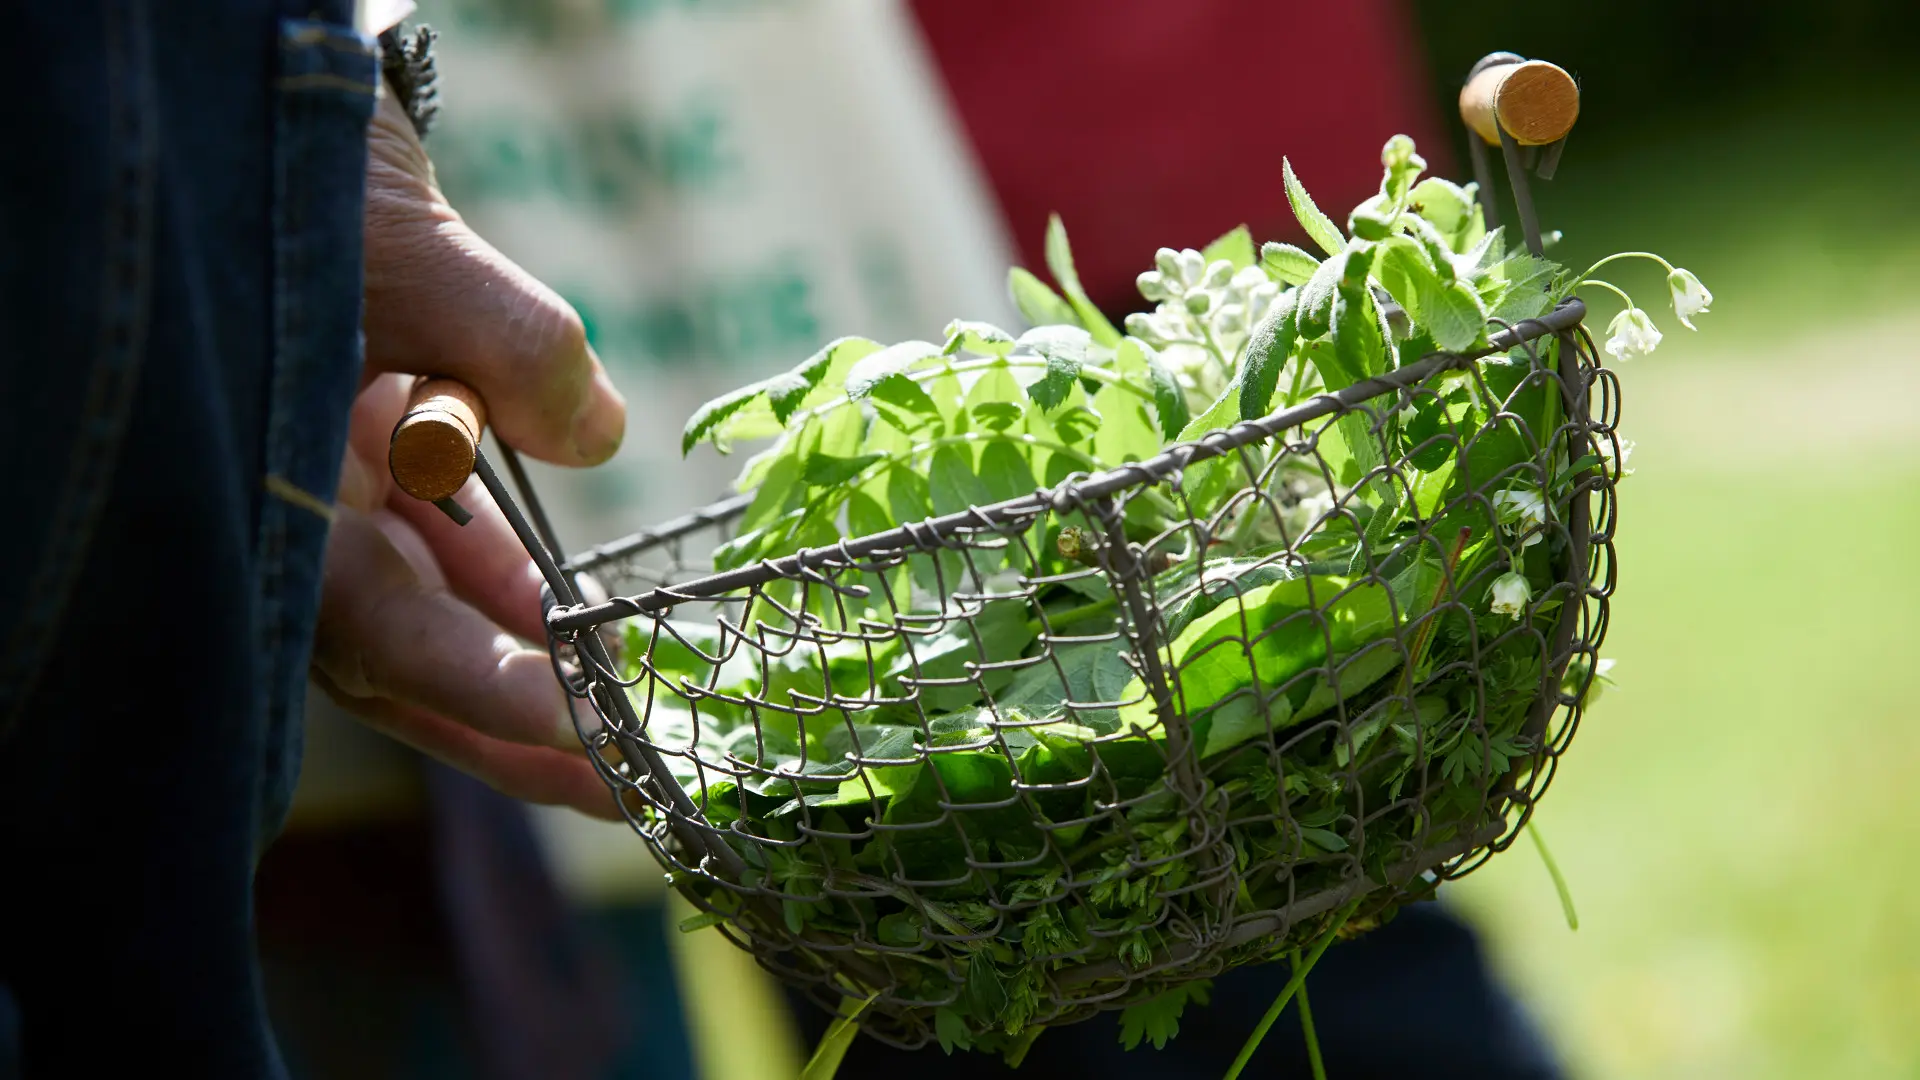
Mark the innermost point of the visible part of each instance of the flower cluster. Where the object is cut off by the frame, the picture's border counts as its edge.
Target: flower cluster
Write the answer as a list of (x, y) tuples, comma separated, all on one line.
[(1208, 305), (1524, 511)]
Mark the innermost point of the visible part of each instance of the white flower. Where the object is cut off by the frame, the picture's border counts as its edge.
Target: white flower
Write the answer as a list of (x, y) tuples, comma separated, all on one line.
[(1219, 272), (1577, 674), (1617, 466), (1525, 510), (1153, 286), (1632, 335), (1511, 593), (1193, 266), (1690, 298), (1248, 279), (1230, 319), (1167, 261)]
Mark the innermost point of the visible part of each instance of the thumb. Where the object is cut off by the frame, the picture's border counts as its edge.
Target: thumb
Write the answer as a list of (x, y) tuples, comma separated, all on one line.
[(442, 301)]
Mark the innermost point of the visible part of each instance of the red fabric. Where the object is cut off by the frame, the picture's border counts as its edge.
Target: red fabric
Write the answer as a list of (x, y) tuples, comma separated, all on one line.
[(1146, 123)]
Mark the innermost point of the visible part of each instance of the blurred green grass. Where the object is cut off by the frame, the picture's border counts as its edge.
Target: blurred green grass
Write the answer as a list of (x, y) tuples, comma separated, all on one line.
[(1739, 820)]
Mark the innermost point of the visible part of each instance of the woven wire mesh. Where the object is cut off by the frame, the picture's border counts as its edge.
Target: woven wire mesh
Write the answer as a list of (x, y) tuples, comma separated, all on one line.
[(965, 764)]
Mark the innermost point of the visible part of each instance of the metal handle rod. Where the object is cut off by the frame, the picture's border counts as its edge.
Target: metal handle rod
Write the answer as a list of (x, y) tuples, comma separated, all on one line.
[(922, 535), (688, 823)]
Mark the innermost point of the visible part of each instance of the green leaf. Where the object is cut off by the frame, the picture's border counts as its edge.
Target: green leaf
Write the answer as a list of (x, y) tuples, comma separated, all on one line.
[(1065, 349), (700, 921), (1286, 263), (1357, 343), (1447, 205), (1405, 270), (1526, 287), (1236, 247), (1224, 412), (835, 1043), (708, 417), (1060, 261), (1136, 359), (827, 368), (826, 470), (1272, 635), (1319, 226), (981, 339), (951, 1030), (872, 370), (1268, 350), (1157, 1019), (1454, 317), (1038, 304), (1316, 297)]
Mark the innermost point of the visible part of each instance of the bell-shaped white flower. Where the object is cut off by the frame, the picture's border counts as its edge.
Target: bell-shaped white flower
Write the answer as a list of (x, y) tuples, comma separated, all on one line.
[(1167, 261), (1616, 464), (1193, 267), (1219, 272), (1199, 301), (1230, 319), (1511, 593), (1631, 334), (1248, 278), (1690, 298), (1153, 286), (1525, 511)]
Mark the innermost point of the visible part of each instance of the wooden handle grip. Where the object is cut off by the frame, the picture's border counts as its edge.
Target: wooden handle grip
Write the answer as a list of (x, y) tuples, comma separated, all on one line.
[(1535, 101), (435, 443)]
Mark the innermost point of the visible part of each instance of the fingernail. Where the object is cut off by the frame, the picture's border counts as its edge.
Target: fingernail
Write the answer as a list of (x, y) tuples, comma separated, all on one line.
[(602, 421)]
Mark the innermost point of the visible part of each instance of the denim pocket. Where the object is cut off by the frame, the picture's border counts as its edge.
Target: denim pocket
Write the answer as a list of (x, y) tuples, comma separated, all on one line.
[(324, 91)]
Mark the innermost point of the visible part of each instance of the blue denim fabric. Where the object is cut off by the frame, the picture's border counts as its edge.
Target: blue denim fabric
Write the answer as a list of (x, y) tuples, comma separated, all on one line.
[(180, 215)]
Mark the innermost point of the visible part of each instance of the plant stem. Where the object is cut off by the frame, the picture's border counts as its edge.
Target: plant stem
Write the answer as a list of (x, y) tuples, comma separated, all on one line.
[(1553, 870), (1293, 986), (1628, 255), (1609, 286), (1307, 1032), (1299, 381)]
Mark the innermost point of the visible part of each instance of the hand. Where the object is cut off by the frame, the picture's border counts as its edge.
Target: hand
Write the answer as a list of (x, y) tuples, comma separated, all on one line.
[(419, 617)]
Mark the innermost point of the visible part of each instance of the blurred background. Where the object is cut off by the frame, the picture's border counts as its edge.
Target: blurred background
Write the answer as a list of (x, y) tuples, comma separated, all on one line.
[(721, 186)]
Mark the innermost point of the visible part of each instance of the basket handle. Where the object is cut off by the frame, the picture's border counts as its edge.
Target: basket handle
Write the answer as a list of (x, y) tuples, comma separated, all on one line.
[(437, 440), (1535, 101)]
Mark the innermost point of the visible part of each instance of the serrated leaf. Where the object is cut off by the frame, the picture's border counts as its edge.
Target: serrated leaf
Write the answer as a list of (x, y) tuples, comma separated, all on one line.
[(1236, 247), (1526, 291), (1038, 304), (1157, 1019), (1320, 228), (826, 470), (1404, 269), (1268, 348), (1455, 317), (978, 338), (786, 393), (1446, 204), (708, 416), (1065, 349), (1169, 401), (1060, 262), (1286, 263), (1316, 297), (871, 370)]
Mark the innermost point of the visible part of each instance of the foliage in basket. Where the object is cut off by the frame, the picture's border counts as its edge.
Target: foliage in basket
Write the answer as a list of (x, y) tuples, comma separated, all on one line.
[(959, 777)]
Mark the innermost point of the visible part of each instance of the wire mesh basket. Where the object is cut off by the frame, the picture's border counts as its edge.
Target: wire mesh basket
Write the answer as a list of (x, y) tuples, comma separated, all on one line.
[(1029, 757)]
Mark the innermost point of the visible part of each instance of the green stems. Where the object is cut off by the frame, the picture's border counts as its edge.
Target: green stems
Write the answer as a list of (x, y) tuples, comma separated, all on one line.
[(1610, 287), (1628, 255), (1287, 992), (1307, 1032), (1553, 871)]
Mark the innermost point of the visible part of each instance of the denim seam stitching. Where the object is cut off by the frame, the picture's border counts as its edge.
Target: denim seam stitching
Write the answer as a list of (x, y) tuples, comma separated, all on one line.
[(119, 354)]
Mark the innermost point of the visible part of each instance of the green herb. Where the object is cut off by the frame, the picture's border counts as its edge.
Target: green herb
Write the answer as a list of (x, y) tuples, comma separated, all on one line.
[(1352, 623)]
